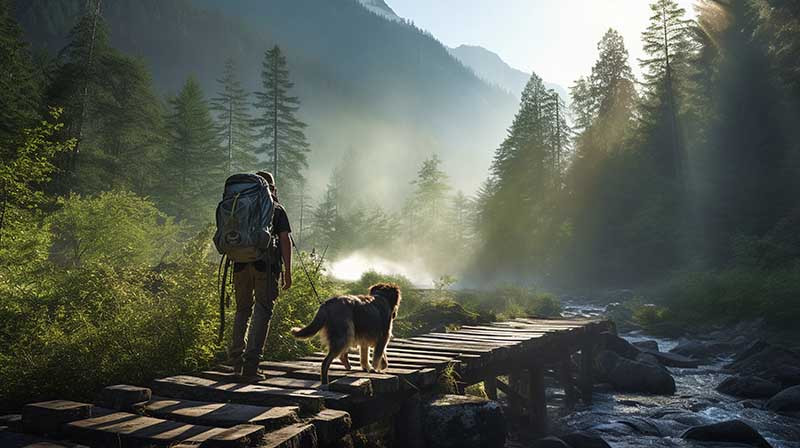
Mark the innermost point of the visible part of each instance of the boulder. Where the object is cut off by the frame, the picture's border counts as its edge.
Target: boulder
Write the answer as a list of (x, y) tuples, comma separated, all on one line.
[(551, 442), (618, 345), (748, 387), (647, 359), (731, 431), (692, 348), (647, 345), (634, 376), (770, 362), (672, 359), (463, 421), (786, 401), (583, 440)]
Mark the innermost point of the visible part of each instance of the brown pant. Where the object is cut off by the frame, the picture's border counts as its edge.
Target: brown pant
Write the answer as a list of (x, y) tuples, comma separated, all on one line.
[(256, 291)]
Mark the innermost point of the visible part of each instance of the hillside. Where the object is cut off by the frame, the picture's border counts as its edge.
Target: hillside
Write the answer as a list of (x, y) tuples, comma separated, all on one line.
[(490, 67), (378, 87)]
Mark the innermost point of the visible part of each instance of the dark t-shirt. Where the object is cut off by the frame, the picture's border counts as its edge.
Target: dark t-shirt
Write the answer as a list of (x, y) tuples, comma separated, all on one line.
[(280, 224)]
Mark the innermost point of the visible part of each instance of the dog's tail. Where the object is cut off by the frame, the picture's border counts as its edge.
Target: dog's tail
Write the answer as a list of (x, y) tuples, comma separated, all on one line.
[(314, 327)]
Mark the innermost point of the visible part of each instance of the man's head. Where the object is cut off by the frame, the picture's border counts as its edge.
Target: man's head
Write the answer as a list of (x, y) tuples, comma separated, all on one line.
[(270, 180)]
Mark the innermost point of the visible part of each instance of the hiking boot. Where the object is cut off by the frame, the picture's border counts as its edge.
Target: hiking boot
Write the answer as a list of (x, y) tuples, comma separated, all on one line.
[(236, 363), (250, 374)]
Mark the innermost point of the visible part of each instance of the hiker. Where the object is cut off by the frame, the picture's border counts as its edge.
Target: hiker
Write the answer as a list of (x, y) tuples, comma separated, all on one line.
[(256, 289)]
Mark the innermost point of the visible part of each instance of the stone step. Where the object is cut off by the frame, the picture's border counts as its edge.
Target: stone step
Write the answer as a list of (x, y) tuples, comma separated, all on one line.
[(223, 415), (202, 389), (10, 439), (331, 425), (300, 435), (126, 430), (48, 417)]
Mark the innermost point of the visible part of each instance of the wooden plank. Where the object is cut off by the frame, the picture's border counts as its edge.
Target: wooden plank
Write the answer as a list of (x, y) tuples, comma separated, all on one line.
[(347, 385), (396, 359), (301, 435), (470, 361), (455, 343), (442, 348), (331, 425), (355, 363), (10, 439), (381, 383), (202, 389), (537, 401), (223, 415), (517, 336), (122, 397), (131, 430), (47, 417), (307, 365), (481, 339)]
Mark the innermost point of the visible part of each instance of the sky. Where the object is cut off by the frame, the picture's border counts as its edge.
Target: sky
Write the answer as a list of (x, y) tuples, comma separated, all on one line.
[(555, 38)]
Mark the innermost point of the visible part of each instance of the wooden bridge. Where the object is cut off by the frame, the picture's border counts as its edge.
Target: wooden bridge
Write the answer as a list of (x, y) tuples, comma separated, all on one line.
[(291, 409)]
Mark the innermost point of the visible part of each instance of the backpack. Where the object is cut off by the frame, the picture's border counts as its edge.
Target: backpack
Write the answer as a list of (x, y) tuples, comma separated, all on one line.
[(244, 219)]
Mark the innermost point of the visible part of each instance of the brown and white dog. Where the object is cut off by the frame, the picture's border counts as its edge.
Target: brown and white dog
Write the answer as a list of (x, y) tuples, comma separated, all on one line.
[(349, 321)]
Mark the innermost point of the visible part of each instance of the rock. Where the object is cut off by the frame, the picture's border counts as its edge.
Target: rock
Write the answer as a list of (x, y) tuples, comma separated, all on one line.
[(673, 359), (648, 359), (733, 431), (618, 345), (748, 387), (771, 363), (692, 348), (48, 417), (583, 440), (751, 349), (786, 401), (633, 376), (647, 345), (551, 442), (643, 426), (463, 421)]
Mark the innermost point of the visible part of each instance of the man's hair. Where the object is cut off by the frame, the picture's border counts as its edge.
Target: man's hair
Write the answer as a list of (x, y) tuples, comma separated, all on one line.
[(267, 176)]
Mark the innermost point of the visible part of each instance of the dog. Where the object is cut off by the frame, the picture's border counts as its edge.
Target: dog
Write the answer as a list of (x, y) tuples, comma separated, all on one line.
[(350, 321)]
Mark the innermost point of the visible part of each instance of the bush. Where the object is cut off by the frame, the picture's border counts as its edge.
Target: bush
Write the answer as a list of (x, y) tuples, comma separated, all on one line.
[(511, 302)]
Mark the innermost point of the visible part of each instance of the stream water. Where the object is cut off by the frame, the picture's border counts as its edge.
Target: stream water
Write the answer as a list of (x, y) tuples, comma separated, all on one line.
[(636, 420)]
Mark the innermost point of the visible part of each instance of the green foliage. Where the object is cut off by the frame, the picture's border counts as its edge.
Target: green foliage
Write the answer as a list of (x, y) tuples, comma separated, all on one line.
[(511, 301), (113, 228)]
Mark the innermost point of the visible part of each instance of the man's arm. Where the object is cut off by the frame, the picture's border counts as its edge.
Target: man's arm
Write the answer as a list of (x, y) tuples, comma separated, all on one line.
[(286, 254)]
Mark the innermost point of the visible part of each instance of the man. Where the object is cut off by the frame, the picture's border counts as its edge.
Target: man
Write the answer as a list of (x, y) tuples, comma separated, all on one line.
[(256, 287)]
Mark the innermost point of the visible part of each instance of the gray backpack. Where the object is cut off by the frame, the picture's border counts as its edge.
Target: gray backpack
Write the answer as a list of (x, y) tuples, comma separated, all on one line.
[(244, 219)]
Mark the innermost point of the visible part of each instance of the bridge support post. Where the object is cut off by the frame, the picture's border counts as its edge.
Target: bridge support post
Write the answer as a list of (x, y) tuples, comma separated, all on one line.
[(587, 361), (567, 382), (490, 386), (537, 401)]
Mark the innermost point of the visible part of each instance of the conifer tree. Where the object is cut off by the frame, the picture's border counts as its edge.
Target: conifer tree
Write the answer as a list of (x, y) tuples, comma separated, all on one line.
[(281, 132), (194, 163), (234, 121), (20, 91), (668, 44)]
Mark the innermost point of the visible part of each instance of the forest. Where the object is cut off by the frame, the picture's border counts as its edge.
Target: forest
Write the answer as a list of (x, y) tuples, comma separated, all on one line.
[(683, 186)]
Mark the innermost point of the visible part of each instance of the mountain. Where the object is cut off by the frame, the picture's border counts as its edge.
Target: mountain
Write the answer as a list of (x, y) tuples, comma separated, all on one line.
[(490, 67), (382, 89), (381, 8)]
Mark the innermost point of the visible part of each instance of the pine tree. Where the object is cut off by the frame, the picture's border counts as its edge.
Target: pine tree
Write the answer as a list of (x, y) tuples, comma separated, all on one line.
[(195, 163), (235, 123), (668, 43), (281, 132), (20, 90)]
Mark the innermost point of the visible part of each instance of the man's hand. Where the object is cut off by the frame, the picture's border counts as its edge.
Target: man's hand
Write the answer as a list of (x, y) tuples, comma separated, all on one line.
[(287, 279)]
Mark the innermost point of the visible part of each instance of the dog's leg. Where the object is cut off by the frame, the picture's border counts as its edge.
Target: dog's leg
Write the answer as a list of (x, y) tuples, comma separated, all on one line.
[(326, 364), (365, 357), (345, 361), (384, 362), (379, 354)]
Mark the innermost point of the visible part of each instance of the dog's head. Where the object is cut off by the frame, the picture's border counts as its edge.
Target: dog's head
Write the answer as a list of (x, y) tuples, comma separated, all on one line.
[(388, 291)]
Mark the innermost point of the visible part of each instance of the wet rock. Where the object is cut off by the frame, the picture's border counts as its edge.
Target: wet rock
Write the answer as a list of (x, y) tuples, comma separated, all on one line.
[(583, 440), (786, 401), (770, 362), (748, 387), (750, 350), (550, 442), (683, 417), (647, 345), (647, 359), (673, 359), (633, 376), (643, 426), (463, 421), (692, 348), (618, 345), (733, 431)]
